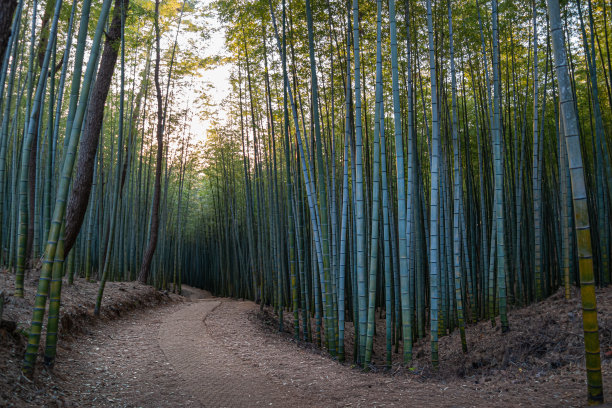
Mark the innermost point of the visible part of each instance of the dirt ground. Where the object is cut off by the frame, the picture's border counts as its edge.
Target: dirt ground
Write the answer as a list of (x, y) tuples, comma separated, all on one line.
[(198, 351), (544, 338), (76, 320)]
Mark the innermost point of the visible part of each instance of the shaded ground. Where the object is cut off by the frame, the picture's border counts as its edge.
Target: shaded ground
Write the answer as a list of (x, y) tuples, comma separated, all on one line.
[(76, 321), (225, 353), (545, 343), (329, 383)]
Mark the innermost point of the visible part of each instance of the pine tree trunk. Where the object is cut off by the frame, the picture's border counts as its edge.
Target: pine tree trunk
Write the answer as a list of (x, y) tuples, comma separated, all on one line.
[(7, 9), (145, 268), (79, 197)]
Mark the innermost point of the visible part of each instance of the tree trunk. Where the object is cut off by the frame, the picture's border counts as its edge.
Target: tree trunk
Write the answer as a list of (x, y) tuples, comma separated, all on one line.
[(145, 269), (7, 9), (79, 198)]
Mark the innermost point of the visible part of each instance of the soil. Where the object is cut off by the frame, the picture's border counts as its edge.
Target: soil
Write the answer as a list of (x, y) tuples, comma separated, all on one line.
[(540, 362), (545, 337), (76, 320), (197, 350)]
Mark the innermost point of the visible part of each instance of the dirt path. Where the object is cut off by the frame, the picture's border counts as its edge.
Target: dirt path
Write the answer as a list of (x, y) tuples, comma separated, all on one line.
[(214, 353), (210, 371)]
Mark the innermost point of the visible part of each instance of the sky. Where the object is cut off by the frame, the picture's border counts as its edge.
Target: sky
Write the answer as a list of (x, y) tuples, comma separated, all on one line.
[(217, 77)]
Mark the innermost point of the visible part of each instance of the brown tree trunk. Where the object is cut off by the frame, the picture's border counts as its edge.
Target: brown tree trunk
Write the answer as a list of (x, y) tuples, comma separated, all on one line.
[(79, 197), (145, 269), (7, 9), (44, 31)]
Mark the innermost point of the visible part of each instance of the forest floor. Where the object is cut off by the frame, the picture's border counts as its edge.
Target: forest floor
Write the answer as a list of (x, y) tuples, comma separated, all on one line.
[(196, 350)]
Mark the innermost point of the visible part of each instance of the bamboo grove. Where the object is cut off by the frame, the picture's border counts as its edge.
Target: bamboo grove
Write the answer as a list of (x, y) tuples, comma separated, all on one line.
[(424, 163), (436, 162), (94, 147)]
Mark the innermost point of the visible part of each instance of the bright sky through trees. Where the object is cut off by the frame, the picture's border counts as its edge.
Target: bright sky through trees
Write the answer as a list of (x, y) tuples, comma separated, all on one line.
[(214, 81)]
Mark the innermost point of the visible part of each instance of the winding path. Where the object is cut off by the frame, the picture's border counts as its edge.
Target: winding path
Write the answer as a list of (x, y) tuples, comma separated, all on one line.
[(209, 371), (211, 352)]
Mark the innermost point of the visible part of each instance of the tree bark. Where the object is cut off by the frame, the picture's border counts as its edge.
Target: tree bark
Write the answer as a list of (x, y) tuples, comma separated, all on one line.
[(7, 9), (145, 268), (79, 197)]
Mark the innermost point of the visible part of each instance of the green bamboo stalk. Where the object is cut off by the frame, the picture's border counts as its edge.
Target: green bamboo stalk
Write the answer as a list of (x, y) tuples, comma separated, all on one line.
[(60, 203), (434, 259), (581, 217), (457, 193), (499, 177), (375, 230), (401, 195), (22, 189), (359, 191)]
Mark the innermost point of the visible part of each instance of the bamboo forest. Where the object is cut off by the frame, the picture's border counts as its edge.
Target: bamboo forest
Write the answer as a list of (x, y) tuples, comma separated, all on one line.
[(306, 203)]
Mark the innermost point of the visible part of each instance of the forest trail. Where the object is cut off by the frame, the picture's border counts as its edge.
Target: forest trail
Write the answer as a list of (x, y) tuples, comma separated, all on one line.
[(215, 375), (191, 293), (212, 352)]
